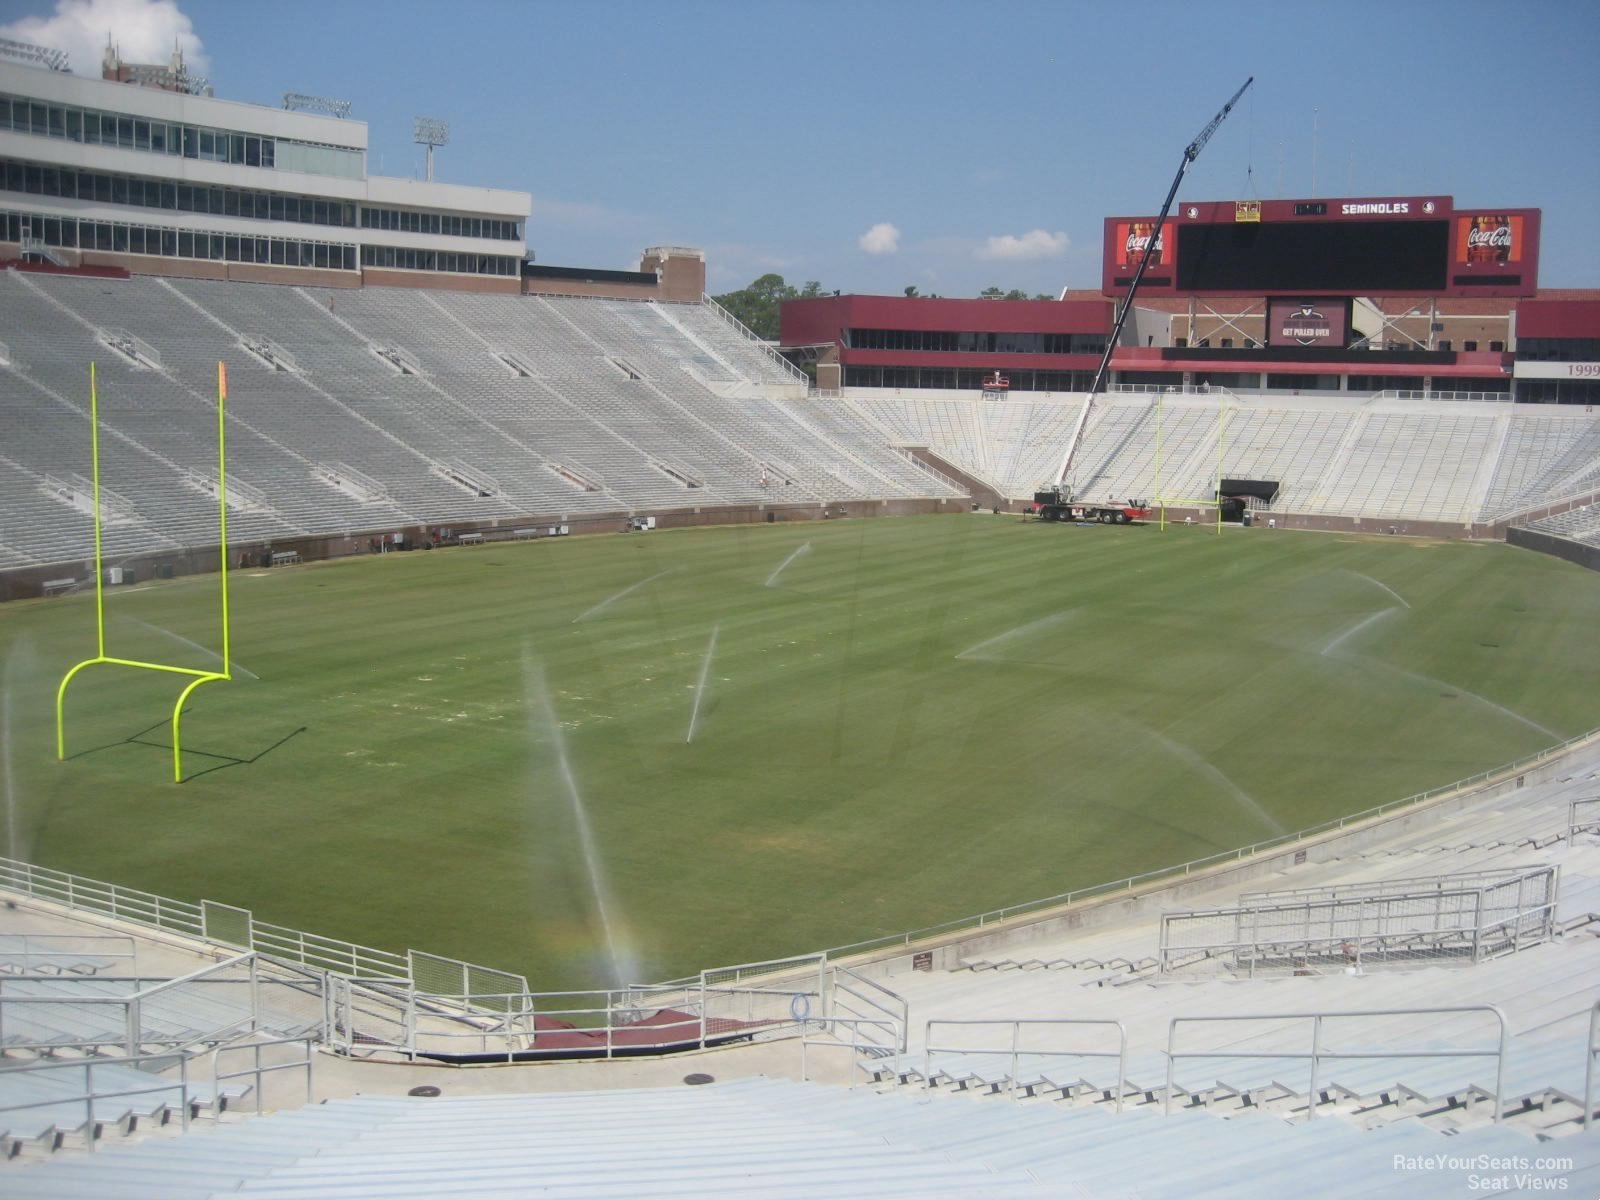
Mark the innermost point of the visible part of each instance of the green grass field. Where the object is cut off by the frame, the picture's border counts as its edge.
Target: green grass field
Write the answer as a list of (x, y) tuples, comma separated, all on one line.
[(917, 720)]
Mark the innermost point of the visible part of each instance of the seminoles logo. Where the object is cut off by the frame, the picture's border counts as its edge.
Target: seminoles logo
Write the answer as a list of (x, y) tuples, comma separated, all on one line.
[(1307, 326)]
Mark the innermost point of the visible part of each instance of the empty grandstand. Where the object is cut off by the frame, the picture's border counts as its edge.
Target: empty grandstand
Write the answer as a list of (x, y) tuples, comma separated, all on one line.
[(1399, 1002)]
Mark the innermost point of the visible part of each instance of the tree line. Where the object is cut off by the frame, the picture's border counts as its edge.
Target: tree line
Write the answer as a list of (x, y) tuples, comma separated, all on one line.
[(757, 305)]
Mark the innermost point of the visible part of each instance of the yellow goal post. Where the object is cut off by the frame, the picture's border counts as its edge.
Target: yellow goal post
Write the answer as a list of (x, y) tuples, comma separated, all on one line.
[(1215, 501), (197, 677)]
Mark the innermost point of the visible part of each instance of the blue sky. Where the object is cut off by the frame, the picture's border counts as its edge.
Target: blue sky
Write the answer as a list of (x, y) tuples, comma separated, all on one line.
[(985, 142)]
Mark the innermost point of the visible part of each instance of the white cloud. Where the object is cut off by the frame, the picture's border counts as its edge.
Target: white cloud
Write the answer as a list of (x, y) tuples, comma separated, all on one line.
[(882, 238), (144, 31), (1034, 244)]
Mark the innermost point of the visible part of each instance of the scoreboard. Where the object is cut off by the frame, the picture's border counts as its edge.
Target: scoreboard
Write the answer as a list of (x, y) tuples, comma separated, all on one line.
[(1407, 245)]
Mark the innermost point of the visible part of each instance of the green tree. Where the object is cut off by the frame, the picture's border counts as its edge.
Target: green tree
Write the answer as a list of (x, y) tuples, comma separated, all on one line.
[(757, 305), (991, 293), (811, 290), (911, 292)]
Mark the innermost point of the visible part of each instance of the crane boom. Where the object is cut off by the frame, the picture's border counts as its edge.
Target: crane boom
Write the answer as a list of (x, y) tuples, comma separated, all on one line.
[(1190, 153)]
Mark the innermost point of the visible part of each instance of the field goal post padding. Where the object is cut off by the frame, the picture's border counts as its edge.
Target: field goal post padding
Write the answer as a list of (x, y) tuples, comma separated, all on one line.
[(197, 677)]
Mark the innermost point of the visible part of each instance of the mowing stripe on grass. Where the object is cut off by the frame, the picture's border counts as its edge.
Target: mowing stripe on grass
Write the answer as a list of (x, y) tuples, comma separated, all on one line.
[(610, 600), (1011, 635), (773, 578)]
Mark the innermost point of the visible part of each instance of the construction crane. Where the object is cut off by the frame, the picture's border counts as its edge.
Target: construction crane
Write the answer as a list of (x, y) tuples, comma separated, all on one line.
[(1062, 493)]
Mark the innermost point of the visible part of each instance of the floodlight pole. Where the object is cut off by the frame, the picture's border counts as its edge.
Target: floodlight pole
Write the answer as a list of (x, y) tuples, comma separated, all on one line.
[(430, 132)]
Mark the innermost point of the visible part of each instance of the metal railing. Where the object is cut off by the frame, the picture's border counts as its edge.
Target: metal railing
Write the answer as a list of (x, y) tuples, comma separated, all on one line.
[(1410, 885), (1485, 397), (980, 921), (1593, 1049), (1411, 921), (1319, 1053), (862, 1047), (1583, 815), (794, 372), (127, 1027), (88, 1093), (1015, 1051), (855, 998), (368, 1016), (257, 1070), (64, 953)]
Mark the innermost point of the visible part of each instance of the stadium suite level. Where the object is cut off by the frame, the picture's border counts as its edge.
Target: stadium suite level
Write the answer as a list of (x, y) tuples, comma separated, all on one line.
[(1369, 294), (135, 171)]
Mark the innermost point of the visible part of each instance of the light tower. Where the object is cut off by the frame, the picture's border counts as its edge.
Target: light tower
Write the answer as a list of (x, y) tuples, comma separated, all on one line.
[(430, 132)]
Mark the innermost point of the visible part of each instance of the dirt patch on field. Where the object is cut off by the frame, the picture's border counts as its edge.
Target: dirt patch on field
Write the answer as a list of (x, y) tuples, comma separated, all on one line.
[(1418, 543), (783, 841)]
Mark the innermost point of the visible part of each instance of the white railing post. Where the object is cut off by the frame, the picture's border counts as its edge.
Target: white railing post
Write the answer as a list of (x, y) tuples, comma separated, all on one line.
[(1016, 1036), (88, 1106), (1316, 1051), (1588, 1068), (255, 994)]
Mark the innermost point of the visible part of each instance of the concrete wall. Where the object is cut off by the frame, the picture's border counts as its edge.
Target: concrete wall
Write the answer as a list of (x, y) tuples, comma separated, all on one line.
[(533, 285), (436, 280), (28, 582), (1581, 553)]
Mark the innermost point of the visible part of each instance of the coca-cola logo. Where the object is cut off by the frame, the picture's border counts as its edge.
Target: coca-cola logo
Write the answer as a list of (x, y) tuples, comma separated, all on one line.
[(1139, 243), (1498, 237)]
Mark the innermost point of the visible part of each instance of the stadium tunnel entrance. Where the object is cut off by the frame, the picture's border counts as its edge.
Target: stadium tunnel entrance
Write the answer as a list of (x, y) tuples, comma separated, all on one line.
[(1234, 496)]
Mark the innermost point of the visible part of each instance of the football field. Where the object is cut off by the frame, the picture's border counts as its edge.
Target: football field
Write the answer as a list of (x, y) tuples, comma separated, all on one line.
[(688, 748)]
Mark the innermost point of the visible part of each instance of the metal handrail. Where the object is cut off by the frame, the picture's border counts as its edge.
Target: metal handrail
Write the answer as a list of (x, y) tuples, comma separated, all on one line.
[(898, 1010), (1354, 922), (856, 1045), (1121, 1053), (1317, 1054), (789, 368), (1576, 824), (74, 941), (90, 1095), (257, 1071), (1588, 1066), (1411, 884)]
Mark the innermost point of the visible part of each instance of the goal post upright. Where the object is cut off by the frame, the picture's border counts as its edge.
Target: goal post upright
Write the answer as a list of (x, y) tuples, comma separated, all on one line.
[(198, 677), (1158, 498)]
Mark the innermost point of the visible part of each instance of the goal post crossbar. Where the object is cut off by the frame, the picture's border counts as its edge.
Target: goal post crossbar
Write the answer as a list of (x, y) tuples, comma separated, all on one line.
[(1163, 502), (197, 677)]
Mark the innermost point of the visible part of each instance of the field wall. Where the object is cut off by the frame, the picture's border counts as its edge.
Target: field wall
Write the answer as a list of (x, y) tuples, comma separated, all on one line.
[(1581, 553), (28, 582)]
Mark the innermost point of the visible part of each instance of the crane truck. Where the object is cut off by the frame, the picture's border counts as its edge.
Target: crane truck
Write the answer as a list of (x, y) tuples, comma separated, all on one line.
[(1056, 502)]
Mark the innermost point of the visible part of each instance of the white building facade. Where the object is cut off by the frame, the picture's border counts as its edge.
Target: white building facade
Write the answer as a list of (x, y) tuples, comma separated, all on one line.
[(96, 173)]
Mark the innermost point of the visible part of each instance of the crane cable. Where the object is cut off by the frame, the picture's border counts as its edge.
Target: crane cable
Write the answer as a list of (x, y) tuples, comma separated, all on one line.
[(1250, 152)]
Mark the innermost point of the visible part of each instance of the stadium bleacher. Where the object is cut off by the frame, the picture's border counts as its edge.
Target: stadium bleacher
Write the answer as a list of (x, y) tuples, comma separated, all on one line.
[(458, 408), (362, 410), (367, 409)]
